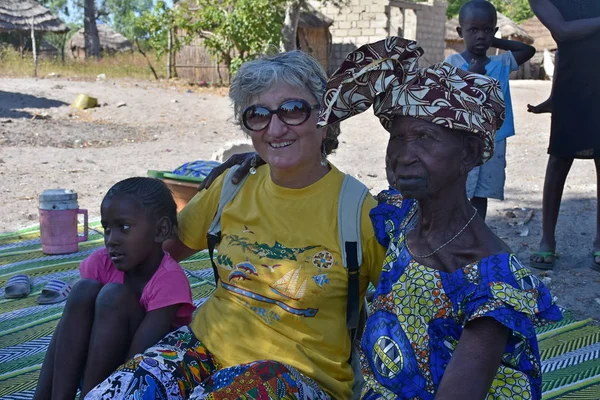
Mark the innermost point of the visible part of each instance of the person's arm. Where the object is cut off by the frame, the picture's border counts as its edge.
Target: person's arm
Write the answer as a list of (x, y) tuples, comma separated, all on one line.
[(563, 31), (155, 325), (475, 361), (521, 52)]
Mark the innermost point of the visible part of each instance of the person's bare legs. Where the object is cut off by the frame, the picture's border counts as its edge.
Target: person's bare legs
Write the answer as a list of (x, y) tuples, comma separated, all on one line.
[(597, 239), (546, 106), (43, 390), (554, 184), (65, 358), (480, 204), (117, 318)]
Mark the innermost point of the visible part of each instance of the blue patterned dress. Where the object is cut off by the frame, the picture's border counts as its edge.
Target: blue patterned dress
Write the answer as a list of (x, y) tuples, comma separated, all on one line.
[(418, 315)]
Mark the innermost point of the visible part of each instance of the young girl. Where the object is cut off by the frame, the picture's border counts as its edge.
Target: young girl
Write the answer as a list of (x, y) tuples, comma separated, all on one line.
[(131, 293)]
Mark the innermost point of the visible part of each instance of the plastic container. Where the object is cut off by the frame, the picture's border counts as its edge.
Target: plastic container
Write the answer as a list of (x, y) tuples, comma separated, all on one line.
[(58, 222), (83, 102), (182, 187)]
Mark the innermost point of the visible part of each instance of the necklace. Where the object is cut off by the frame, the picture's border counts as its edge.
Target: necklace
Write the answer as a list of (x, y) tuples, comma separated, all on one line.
[(445, 244)]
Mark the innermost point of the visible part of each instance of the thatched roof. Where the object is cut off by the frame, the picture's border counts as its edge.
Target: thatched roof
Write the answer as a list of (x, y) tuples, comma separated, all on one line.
[(542, 36), (18, 15), (110, 40), (451, 34), (311, 18), (507, 27)]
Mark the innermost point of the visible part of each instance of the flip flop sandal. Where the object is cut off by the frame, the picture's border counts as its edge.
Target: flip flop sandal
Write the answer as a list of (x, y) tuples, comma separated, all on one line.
[(18, 286), (594, 265), (541, 264), (55, 291)]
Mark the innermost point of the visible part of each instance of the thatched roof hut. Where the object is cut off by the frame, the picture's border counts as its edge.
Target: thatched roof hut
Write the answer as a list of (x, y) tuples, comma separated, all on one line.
[(542, 37), (19, 15), (111, 42)]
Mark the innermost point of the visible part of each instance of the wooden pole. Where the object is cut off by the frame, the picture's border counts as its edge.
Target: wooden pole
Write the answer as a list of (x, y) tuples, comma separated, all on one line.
[(21, 44), (169, 55), (34, 47)]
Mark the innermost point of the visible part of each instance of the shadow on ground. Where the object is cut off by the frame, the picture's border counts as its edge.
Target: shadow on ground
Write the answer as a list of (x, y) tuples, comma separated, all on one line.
[(12, 104)]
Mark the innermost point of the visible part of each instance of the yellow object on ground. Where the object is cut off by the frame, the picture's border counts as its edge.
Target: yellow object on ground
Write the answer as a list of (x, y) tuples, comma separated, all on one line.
[(83, 101)]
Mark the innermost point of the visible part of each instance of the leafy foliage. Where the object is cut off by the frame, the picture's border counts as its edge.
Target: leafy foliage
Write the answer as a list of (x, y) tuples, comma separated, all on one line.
[(233, 30), (56, 6), (517, 10), (154, 27), (236, 30), (122, 14), (59, 40)]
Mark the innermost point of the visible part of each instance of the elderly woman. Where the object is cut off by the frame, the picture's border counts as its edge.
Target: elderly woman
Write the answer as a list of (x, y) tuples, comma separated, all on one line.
[(276, 325), (454, 312)]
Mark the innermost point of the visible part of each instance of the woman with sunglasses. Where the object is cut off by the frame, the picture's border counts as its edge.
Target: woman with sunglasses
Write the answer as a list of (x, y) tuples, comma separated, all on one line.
[(276, 324)]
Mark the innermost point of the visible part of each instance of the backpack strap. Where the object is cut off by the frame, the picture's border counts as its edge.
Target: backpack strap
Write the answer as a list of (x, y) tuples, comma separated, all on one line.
[(352, 196), (213, 237)]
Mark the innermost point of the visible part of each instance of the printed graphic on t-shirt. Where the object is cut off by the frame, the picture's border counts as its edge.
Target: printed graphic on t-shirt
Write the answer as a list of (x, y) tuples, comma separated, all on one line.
[(294, 276)]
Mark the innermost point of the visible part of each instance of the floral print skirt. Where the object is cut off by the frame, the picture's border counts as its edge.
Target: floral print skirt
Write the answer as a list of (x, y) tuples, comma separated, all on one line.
[(180, 367)]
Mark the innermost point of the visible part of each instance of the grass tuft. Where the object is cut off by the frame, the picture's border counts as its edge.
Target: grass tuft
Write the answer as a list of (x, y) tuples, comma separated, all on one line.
[(124, 65)]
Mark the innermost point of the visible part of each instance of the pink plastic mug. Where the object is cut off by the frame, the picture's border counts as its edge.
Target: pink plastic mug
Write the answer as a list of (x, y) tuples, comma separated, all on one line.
[(58, 222)]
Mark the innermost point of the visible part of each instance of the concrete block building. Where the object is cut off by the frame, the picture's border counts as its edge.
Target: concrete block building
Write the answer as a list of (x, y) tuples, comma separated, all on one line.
[(358, 22)]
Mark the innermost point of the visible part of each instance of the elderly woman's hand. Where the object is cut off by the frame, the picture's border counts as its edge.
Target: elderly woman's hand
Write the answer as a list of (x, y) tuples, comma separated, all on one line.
[(244, 160)]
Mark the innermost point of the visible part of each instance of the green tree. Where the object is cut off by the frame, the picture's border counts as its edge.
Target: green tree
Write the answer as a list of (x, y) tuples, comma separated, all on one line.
[(59, 40), (236, 30), (153, 28), (517, 10), (233, 30), (122, 15)]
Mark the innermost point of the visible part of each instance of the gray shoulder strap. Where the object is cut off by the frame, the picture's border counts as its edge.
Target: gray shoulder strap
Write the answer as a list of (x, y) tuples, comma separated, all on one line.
[(350, 204), (228, 192)]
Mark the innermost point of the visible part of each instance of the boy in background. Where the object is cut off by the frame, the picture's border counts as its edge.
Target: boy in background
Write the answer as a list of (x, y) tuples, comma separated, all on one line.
[(477, 26)]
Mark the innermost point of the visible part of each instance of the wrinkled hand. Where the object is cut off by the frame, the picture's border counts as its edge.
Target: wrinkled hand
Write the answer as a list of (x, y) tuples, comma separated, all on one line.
[(244, 160), (477, 66)]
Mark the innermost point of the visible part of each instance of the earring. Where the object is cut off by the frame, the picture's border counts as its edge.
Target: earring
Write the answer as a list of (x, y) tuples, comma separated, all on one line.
[(253, 166), (324, 162)]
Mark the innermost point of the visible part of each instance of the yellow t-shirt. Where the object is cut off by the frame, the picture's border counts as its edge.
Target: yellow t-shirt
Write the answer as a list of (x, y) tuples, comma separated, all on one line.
[(283, 287)]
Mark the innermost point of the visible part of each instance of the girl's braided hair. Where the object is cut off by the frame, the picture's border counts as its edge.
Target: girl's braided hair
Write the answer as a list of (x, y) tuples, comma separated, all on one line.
[(154, 196)]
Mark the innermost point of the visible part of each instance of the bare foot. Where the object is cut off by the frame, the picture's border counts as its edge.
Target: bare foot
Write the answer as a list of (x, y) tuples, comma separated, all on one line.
[(545, 107)]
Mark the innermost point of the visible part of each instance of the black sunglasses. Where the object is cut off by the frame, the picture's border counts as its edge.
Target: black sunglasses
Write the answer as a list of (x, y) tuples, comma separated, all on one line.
[(290, 112)]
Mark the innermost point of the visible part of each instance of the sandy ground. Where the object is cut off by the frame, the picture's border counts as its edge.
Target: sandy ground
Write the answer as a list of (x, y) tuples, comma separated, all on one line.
[(44, 143)]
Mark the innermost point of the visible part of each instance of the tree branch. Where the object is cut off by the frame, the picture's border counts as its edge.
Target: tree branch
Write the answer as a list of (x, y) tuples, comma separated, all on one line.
[(137, 43)]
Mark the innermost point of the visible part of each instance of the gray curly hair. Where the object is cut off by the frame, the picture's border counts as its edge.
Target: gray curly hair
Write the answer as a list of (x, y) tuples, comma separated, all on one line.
[(294, 68)]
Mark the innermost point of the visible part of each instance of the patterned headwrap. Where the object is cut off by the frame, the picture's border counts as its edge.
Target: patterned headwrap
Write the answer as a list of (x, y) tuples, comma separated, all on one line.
[(386, 74)]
